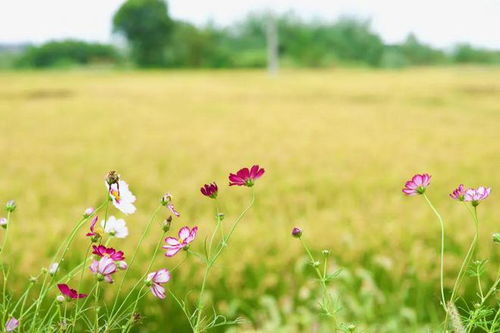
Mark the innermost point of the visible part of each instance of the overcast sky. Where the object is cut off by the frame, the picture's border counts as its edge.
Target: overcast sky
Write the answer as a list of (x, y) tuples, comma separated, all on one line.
[(438, 22)]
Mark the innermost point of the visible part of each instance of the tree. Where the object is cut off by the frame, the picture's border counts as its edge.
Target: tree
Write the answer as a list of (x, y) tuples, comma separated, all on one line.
[(147, 27)]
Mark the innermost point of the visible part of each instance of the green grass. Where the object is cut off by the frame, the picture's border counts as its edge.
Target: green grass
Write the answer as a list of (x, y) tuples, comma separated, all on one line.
[(337, 146)]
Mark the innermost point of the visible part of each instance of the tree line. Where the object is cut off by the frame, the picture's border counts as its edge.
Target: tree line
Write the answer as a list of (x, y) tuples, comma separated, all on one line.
[(154, 39)]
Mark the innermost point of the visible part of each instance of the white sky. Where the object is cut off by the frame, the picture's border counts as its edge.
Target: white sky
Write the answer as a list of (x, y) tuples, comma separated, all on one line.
[(438, 22)]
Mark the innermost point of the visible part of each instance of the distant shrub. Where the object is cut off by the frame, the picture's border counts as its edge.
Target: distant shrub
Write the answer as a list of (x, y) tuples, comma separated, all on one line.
[(465, 53), (68, 53)]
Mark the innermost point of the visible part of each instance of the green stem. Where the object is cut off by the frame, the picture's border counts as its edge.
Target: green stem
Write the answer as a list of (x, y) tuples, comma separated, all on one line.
[(467, 259), (113, 315), (80, 285), (144, 233), (4, 273), (441, 270), (211, 261), (96, 309)]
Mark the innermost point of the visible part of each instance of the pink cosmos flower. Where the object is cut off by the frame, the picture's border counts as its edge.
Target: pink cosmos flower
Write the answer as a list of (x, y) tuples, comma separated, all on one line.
[(121, 196), (210, 190), (155, 281), (246, 177), (103, 269), (174, 245), (476, 195), (458, 193), (417, 185), (70, 293), (166, 201), (296, 232), (11, 324), (108, 252)]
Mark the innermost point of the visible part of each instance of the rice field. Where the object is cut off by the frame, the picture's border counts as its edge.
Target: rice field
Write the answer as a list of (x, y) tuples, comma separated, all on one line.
[(337, 146)]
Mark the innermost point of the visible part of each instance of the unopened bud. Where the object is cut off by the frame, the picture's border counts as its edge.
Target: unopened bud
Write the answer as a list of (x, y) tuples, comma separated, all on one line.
[(33, 279), (496, 237), (53, 268), (167, 224), (122, 265), (112, 178), (220, 216), (296, 232), (3, 222), (10, 206), (326, 253), (60, 299), (315, 263), (88, 212)]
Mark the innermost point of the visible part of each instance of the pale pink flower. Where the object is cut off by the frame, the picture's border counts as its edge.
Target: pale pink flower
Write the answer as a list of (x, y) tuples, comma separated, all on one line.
[(245, 176), (417, 185), (458, 193), (121, 196), (89, 211), (103, 269), (11, 324), (174, 245), (155, 281), (166, 201), (476, 195)]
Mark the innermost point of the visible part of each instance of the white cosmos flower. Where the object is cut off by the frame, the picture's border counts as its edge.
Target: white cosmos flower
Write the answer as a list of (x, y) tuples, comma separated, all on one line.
[(115, 227), (122, 198)]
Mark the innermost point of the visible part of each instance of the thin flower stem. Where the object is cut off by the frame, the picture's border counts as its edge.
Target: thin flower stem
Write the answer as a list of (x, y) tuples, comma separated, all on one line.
[(67, 244), (80, 284), (4, 274), (213, 259), (96, 309), (144, 233), (113, 315), (139, 296), (441, 270), (468, 256), (322, 280)]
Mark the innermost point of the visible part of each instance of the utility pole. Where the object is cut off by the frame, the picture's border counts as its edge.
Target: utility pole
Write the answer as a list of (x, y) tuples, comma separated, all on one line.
[(272, 45)]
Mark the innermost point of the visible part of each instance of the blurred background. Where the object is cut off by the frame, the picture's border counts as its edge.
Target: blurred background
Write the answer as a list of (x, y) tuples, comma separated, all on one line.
[(340, 101)]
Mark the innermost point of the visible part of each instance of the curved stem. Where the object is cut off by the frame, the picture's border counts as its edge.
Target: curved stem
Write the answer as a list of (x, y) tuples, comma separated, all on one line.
[(441, 270)]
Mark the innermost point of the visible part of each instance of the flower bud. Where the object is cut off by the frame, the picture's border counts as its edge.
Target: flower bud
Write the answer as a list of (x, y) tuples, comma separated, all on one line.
[(326, 253), (167, 224), (60, 298), (33, 279), (496, 237), (296, 232), (10, 206), (53, 268), (166, 199), (122, 265), (88, 212), (315, 263), (112, 178), (220, 216), (3, 222)]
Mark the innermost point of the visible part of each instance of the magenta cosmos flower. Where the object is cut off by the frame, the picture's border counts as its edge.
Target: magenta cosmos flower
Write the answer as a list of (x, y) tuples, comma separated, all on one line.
[(245, 176), (296, 232), (476, 195), (108, 252), (458, 193), (417, 185), (174, 245), (103, 269), (210, 190), (11, 324), (70, 293), (155, 281)]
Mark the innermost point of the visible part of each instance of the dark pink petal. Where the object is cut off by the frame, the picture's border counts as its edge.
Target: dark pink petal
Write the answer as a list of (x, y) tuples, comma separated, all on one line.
[(64, 289), (244, 173)]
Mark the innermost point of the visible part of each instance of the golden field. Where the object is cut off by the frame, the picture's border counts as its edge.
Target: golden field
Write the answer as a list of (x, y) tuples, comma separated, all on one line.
[(337, 146)]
